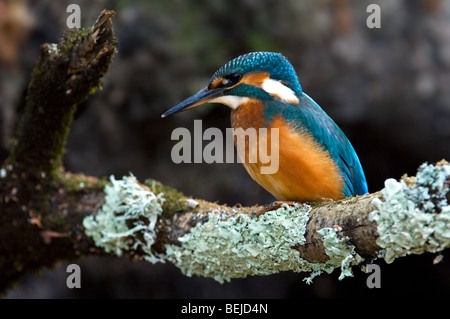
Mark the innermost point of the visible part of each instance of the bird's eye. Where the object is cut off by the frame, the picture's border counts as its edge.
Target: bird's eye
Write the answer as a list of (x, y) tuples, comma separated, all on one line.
[(226, 81), (234, 78)]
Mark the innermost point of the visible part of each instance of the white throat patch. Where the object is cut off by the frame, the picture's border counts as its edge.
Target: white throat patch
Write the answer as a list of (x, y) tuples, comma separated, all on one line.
[(279, 90), (232, 101)]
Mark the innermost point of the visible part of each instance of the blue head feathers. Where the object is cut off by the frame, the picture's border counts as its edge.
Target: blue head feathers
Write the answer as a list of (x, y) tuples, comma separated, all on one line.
[(275, 64)]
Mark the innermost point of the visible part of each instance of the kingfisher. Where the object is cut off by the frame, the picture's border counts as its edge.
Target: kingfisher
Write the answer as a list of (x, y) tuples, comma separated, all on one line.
[(317, 162)]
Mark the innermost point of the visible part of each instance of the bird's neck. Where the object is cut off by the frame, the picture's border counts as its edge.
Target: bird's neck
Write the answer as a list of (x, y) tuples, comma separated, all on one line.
[(249, 114)]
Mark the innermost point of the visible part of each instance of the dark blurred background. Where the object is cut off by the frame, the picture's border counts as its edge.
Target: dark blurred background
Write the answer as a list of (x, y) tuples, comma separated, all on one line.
[(388, 89)]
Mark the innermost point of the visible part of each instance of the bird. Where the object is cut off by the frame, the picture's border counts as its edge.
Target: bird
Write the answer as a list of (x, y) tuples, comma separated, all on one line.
[(317, 162)]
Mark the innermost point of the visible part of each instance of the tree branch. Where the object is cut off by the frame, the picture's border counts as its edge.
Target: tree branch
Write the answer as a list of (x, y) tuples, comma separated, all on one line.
[(207, 239), (33, 197), (47, 214)]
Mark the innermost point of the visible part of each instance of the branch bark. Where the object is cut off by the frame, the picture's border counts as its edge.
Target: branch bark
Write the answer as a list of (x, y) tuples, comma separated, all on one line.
[(33, 194), (47, 214)]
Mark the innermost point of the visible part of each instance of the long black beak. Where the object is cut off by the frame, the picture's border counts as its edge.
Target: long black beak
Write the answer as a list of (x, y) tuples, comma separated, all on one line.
[(197, 99)]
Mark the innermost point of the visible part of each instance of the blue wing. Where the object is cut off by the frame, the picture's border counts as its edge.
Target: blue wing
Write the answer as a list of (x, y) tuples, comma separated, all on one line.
[(308, 115)]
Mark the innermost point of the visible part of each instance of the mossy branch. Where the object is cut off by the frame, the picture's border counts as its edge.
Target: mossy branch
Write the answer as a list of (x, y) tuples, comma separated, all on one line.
[(65, 75), (156, 224)]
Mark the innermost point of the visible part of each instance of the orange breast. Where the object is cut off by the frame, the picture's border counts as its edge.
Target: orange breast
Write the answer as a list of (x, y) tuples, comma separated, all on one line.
[(305, 172)]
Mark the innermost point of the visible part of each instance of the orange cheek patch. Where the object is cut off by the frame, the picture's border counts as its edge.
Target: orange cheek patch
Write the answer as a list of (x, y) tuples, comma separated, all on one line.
[(255, 79)]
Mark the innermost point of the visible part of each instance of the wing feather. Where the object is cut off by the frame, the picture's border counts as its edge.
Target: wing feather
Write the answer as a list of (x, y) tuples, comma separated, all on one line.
[(308, 115)]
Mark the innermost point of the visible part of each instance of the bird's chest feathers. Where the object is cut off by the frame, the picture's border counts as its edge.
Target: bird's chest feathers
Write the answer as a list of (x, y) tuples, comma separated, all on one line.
[(250, 114), (301, 169)]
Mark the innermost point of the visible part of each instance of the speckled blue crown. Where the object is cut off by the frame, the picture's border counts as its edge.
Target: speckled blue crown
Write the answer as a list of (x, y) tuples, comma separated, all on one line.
[(276, 64)]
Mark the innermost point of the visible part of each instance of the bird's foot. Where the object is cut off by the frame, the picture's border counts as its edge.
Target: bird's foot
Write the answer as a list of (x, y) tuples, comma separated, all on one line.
[(272, 206)]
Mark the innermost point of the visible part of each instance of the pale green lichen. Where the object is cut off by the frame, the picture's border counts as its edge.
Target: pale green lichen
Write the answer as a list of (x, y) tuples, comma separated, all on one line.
[(126, 222), (410, 220), (342, 254), (416, 219), (222, 247), (239, 246)]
